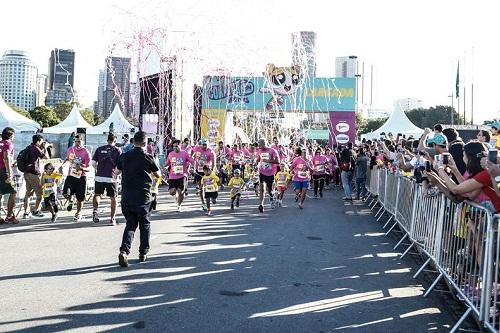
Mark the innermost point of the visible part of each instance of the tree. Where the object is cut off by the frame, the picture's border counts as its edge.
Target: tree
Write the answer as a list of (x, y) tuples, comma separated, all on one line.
[(88, 115), (439, 114), (20, 110), (62, 110), (133, 121), (373, 124), (97, 119), (360, 123), (45, 116)]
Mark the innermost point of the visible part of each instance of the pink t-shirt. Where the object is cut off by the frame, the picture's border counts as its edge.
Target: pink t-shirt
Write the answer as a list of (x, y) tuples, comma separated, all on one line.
[(236, 157), (203, 157), (78, 156), (179, 164), (6, 146), (300, 169), (187, 149), (481, 196), (267, 169), (319, 163)]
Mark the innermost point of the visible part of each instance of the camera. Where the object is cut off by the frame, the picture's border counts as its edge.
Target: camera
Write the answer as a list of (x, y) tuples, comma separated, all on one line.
[(492, 155), (446, 159), (428, 166)]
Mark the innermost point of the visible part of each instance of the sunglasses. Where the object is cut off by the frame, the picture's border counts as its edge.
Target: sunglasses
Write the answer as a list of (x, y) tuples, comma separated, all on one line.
[(50, 169)]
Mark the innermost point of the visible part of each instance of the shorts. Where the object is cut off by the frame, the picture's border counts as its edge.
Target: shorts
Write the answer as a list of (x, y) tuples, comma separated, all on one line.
[(50, 201), (318, 177), (301, 185), (177, 184), (197, 177), (75, 186), (211, 195), (111, 189), (5, 188), (268, 180), (33, 184), (281, 188)]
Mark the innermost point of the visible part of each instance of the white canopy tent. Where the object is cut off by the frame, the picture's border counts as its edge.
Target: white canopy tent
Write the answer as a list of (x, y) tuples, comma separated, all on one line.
[(120, 124), (398, 122), (10, 118), (70, 124)]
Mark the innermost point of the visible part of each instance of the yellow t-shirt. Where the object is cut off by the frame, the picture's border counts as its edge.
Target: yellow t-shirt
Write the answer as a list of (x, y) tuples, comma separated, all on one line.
[(210, 183), (282, 178), (49, 183), (497, 139), (156, 185), (236, 184)]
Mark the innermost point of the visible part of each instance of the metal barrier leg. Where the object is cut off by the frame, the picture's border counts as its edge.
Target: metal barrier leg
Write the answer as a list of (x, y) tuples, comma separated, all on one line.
[(390, 229), (433, 285), (400, 241), (421, 269), (460, 321), (387, 223), (406, 251), (381, 214), (380, 210)]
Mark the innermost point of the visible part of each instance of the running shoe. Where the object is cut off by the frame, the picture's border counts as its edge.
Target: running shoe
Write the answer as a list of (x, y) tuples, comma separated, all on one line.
[(237, 203), (122, 259), (301, 206), (112, 221), (261, 208), (143, 257), (54, 218), (296, 197), (38, 214), (78, 217), (232, 206), (204, 208), (315, 196), (214, 201), (26, 216), (321, 194), (95, 217), (2, 221), (179, 208), (209, 212), (69, 208), (11, 220)]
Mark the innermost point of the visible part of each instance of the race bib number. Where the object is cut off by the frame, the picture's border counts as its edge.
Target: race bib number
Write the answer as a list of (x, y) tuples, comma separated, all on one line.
[(209, 188), (303, 174), (281, 183), (48, 191), (75, 173), (236, 158), (320, 168), (178, 169), (264, 156)]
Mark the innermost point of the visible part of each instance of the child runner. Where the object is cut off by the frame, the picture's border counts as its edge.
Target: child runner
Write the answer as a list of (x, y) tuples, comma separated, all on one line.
[(49, 181), (209, 187), (236, 184), (281, 180), (301, 178)]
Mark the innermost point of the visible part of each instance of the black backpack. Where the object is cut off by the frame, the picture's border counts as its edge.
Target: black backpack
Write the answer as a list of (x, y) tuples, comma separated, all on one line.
[(23, 159)]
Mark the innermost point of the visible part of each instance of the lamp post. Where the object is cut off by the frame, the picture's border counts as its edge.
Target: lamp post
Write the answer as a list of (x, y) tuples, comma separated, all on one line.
[(452, 110)]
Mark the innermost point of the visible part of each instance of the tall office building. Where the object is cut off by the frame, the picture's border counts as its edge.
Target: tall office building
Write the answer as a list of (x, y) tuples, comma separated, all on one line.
[(116, 85), (18, 79), (345, 66), (100, 93), (304, 51), (41, 89), (61, 77)]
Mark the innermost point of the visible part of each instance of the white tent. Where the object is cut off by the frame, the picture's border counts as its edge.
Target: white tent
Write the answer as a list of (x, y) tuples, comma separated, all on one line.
[(17, 121), (70, 124), (398, 122), (120, 124)]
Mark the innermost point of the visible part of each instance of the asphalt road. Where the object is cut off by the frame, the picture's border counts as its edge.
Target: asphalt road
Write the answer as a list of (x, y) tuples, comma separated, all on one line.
[(326, 268)]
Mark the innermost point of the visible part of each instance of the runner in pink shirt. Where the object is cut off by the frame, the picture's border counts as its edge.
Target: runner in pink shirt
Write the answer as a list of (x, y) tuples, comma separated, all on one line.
[(178, 162), (202, 156), (186, 146), (319, 164), (237, 160), (301, 175), (6, 173), (268, 161)]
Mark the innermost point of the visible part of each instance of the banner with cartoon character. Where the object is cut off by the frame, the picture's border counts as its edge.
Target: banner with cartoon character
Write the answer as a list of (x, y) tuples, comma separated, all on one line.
[(342, 127), (280, 89), (212, 124)]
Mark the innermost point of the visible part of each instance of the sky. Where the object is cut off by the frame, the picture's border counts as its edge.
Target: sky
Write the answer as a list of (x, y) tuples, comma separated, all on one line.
[(414, 46)]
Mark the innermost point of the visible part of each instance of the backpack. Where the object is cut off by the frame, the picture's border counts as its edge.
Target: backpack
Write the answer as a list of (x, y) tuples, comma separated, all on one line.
[(23, 159)]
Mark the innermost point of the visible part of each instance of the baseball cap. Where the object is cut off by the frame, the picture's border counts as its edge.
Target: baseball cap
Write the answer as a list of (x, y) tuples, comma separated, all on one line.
[(438, 139), (203, 141), (237, 171), (495, 124)]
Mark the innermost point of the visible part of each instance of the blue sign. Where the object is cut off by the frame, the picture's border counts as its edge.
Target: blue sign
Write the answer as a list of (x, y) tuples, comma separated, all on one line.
[(279, 93)]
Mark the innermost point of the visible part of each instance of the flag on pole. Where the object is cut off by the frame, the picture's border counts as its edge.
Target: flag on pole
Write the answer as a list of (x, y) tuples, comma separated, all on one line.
[(457, 83)]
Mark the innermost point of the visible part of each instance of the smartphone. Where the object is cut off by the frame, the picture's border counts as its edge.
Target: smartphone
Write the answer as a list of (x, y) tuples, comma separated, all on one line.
[(438, 157), (415, 151), (446, 160), (492, 155), (428, 166)]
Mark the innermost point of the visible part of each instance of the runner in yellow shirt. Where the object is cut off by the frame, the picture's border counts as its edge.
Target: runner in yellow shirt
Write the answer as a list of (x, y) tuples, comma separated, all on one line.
[(236, 185), (281, 180), (209, 189), (50, 181)]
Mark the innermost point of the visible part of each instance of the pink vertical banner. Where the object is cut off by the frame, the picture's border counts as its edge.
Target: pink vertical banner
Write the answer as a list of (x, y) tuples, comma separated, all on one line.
[(342, 127)]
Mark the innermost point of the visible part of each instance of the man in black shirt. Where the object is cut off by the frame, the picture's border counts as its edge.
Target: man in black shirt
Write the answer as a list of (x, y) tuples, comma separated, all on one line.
[(137, 169)]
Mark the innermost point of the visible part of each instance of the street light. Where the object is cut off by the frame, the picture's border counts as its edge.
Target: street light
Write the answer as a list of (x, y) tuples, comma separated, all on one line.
[(452, 110)]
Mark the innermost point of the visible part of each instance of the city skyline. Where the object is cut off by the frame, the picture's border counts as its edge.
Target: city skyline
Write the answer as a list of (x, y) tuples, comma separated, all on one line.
[(412, 56)]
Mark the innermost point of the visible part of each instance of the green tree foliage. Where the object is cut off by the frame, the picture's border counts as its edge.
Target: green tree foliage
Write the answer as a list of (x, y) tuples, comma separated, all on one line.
[(88, 115), (360, 123), (19, 110), (439, 114), (62, 110), (373, 124), (45, 116), (97, 119)]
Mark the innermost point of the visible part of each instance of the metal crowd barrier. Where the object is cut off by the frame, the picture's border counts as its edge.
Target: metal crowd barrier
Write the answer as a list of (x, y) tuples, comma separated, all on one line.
[(460, 240)]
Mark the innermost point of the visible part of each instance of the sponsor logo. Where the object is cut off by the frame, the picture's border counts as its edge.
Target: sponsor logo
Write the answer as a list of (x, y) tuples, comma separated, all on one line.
[(342, 138), (343, 127)]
